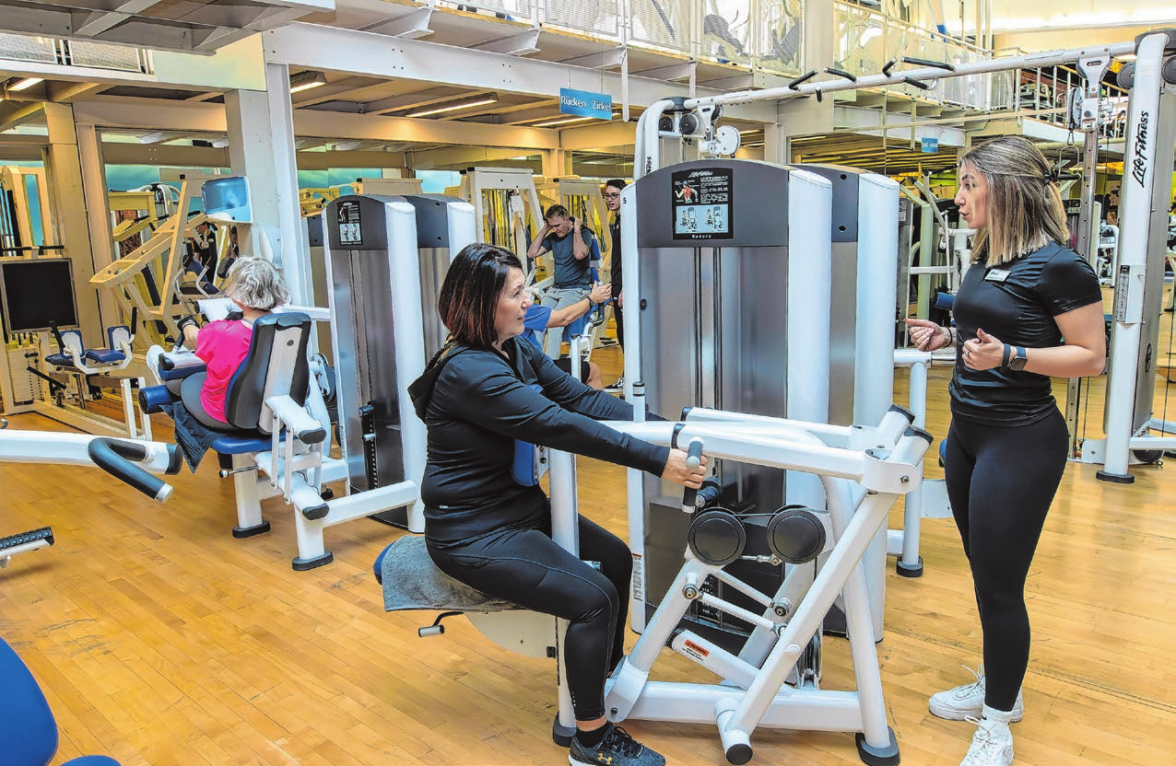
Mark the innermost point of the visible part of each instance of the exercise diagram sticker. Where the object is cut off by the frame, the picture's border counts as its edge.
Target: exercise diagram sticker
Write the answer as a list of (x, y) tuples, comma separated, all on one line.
[(702, 204), (350, 232)]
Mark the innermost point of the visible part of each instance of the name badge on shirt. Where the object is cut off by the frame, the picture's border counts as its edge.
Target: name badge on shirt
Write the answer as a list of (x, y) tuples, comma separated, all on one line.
[(996, 275)]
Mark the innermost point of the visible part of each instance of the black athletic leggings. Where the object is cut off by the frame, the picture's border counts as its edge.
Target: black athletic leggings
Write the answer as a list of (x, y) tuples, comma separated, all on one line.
[(1001, 481), (527, 568)]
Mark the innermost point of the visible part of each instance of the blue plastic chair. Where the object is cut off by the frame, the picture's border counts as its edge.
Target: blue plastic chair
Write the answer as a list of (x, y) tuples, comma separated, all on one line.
[(28, 730)]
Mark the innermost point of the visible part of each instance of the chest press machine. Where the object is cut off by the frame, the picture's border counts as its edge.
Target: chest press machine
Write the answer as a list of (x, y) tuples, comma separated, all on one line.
[(727, 308), (862, 472)]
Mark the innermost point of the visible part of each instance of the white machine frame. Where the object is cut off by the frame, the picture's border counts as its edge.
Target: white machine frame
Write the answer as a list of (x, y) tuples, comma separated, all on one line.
[(1138, 294), (862, 471)]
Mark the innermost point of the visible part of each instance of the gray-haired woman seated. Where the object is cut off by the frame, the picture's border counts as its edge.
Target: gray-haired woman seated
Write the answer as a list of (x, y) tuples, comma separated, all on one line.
[(256, 288), (485, 389)]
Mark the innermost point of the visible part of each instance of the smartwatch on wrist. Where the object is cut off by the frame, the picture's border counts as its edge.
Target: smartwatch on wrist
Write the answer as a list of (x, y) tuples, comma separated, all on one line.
[(1019, 359)]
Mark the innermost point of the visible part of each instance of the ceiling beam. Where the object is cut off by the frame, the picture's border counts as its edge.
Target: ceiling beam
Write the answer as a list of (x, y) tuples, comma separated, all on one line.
[(521, 44), (21, 115), (460, 157), (350, 159), (609, 59), (157, 154), (201, 117), (499, 108), (420, 100), (348, 50), (411, 26), (338, 89), (68, 92), (99, 21), (615, 133), (315, 124)]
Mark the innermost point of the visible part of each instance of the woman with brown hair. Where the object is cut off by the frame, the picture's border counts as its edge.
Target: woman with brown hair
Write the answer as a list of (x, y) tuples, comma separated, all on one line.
[(485, 390), (1028, 309)]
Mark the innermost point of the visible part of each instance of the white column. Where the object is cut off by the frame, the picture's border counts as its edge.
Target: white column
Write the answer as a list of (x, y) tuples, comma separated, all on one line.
[(93, 168), (261, 148), (66, 184)]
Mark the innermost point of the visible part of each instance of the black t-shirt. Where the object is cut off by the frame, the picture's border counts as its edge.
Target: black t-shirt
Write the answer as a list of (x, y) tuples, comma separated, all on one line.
[(1016, 302)]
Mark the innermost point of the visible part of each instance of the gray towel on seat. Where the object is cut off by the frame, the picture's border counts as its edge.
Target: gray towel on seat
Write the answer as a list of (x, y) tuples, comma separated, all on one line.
[(413, 581)]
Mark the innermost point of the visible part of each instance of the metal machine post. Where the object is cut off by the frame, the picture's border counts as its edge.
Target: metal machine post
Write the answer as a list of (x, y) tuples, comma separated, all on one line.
[(1147, 188), (383, 255), (864, 235)]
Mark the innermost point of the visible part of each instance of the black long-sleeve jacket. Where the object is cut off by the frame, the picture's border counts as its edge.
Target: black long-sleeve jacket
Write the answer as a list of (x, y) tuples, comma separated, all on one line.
[(475, 404)]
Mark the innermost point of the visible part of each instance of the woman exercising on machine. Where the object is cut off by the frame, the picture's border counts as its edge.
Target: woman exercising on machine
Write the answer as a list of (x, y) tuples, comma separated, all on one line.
[(477, 396), (255, 286), (1028, 309)]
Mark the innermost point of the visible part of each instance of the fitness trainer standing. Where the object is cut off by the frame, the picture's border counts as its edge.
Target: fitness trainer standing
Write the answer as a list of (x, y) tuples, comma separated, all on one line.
[(477, 397), (1028, 309)]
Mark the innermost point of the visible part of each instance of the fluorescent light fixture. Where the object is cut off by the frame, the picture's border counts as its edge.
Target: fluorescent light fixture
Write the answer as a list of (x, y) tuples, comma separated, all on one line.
[(567, 121), (306, 80), (489, 98), (27, 82)]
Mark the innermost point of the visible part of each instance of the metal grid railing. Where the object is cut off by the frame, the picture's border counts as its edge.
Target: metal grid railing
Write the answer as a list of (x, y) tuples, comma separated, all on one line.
[(51, 50), (597, 18), (865, 41)]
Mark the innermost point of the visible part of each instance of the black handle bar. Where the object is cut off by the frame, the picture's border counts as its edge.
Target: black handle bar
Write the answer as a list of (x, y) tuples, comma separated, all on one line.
[(114, 456)]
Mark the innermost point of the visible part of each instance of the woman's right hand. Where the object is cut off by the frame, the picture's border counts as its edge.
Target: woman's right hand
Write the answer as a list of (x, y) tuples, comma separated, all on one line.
[(677, 471), (928, 336)]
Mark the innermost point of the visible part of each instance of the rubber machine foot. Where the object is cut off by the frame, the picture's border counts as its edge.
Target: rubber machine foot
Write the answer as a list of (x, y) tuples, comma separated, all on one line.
[(906, 570), (301, 565), (260, 529), (560, 734), (1117, 478), (878, 756)]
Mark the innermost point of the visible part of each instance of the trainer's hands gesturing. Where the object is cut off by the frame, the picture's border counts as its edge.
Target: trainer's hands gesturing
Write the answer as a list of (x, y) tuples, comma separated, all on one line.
[(928, 336), (984, 352), (677, 472)]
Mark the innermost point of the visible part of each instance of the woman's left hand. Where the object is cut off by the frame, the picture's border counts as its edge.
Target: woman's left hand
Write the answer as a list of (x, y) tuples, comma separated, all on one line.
[(984, 352)]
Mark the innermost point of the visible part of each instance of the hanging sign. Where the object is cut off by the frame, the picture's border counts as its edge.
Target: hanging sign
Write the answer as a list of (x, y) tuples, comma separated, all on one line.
[(930, 145), (583, 103), (702, 204)]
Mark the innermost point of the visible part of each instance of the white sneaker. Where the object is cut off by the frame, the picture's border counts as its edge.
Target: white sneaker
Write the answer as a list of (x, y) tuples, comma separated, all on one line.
[(992, 744), (967, 701)]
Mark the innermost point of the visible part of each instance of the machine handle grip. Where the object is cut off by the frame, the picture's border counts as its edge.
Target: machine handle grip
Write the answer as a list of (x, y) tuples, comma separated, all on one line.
[(114, 456), (134, 320), (693, 460), (57, 336)]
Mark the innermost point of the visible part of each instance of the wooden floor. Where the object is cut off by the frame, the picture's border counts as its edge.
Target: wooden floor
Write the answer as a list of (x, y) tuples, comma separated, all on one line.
[(159, 639)]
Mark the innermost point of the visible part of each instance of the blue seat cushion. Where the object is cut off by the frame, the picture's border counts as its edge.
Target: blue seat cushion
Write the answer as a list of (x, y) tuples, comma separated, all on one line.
[(180, 373), (91, 760), (105, 355), (243, 443), (378, 567)]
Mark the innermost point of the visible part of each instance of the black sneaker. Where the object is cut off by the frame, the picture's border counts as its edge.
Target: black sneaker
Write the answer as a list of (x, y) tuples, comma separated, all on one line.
[(617, 749)]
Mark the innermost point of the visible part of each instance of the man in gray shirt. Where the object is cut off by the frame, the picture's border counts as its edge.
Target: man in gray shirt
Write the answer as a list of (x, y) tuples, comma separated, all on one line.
[(571, 246)]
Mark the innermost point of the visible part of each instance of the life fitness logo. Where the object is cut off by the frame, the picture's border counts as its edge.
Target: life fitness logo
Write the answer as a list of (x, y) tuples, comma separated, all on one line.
[(1139, 163)]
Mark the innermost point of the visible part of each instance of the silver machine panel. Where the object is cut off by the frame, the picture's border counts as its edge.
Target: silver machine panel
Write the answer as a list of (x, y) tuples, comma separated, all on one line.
[(785, 308), (714, 320), (382, 251)]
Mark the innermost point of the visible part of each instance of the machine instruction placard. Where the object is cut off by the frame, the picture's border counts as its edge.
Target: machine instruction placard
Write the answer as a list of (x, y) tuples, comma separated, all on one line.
[(702, 204), (350, 232)]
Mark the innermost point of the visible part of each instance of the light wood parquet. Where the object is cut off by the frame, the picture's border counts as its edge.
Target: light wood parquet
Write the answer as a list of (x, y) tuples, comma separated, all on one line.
[(159, 639)]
